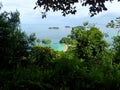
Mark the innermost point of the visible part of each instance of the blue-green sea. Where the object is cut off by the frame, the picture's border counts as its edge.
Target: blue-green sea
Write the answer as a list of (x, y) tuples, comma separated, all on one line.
[(56, 46), (55, 35), (43, 32)]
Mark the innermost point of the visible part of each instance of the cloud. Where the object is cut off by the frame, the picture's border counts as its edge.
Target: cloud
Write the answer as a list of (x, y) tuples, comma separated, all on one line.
[(113, 7), (25, 7)]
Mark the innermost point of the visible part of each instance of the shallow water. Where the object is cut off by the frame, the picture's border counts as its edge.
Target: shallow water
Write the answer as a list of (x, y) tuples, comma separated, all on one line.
[(56, 46), (42, 32)]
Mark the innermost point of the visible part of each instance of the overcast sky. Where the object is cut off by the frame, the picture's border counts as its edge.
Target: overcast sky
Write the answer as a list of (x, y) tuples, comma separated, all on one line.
[(30, 16)]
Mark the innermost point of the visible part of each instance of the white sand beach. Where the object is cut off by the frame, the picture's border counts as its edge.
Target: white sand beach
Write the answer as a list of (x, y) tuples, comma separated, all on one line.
[(65, 47)]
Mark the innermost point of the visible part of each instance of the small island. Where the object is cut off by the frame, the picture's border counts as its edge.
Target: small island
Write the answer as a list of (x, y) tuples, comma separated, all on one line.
[(46, 41), (67, 27), (53, 28)]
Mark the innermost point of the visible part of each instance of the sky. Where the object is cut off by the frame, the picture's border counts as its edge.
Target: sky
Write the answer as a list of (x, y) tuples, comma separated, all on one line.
[(30, 16)]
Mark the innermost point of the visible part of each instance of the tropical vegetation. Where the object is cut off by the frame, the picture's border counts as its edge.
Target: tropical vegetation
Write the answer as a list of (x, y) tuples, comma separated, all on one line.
[(46, 41), (88, 63)]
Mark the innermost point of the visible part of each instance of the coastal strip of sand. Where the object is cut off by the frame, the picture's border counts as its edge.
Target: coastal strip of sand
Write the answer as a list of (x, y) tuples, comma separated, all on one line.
[(65, 47)]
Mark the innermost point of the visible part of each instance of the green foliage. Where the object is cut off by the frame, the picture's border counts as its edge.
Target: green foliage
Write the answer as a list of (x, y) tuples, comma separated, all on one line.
[(1, 5), (43, 56), (38, 40), (116, 39), (46, 41), (89, 42), (32, 40), (85, 23), (91, 45), (111, 24), (14, 44), (66, 40), (88, 64), (116, 48), (66, 74), (114, 24)]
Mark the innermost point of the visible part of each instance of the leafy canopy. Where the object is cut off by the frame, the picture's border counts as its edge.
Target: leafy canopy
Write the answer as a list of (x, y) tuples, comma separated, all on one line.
[(67, 6), (15, 45), (88, 41), (114, 24)]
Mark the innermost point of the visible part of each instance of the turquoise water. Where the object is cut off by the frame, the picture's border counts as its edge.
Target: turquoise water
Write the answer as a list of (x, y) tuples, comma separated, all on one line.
[(42, 32), (56, 46)]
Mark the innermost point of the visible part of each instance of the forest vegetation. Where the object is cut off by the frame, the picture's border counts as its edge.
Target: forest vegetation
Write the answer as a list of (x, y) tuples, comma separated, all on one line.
[(46, 41), (88, 63)]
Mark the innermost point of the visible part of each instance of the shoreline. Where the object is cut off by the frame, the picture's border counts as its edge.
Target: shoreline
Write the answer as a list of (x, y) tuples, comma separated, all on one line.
[(58, 48), (65, 48)]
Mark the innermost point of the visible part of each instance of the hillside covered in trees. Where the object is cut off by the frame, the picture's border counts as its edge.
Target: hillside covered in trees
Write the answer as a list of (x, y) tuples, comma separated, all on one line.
[(88, 63)]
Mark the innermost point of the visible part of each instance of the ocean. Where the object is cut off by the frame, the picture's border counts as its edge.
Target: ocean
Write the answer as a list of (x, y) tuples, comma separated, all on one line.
[(55, 35), (43, 32)]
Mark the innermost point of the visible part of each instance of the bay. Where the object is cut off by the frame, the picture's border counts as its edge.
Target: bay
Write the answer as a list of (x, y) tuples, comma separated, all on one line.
[(43, 32), (55, 35)]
